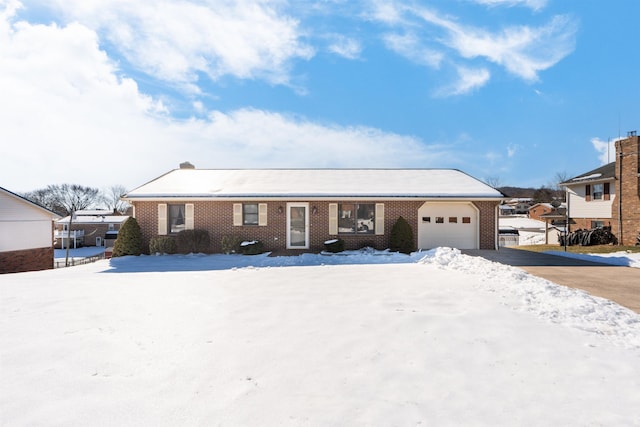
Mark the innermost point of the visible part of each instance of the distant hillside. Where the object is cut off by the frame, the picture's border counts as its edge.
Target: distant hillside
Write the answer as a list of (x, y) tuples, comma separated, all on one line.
[(517, 192)]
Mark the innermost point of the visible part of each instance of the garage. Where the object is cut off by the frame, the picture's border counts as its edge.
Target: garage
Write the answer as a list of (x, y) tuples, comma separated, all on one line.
[(451, 224)]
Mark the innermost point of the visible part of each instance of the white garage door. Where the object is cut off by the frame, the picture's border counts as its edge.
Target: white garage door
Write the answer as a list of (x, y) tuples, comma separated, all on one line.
[(454, 225)]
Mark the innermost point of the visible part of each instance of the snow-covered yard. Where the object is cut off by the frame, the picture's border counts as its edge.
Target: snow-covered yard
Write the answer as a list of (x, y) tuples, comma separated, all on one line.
[(435, 338)]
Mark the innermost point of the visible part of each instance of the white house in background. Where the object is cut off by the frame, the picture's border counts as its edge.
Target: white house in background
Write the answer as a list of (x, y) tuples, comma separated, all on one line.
[(88, 228), (590, 197), (530, 231), (26, 234)]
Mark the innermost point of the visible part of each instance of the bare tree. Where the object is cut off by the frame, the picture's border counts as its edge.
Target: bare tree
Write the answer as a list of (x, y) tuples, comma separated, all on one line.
[(493, 181), (558, 191), (65, 199), (72, 198), (112, 199)]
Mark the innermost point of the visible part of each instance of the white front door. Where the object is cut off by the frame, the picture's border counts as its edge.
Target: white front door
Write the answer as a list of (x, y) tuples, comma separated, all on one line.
[(297, 225), (98, 241)]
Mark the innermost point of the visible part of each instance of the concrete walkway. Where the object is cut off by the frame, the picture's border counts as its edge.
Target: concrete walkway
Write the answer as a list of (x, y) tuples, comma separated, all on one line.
[(619, 284)]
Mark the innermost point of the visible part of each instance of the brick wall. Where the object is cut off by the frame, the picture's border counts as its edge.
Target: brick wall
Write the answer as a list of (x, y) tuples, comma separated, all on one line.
[(26, 260), (217, 218), (487, 224), (628, 191)]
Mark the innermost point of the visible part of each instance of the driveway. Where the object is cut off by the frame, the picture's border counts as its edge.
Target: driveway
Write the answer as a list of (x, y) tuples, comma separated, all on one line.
[(619, 284)]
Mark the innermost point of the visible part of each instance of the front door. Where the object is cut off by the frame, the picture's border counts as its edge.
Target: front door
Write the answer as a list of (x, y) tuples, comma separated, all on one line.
[(297, 226)]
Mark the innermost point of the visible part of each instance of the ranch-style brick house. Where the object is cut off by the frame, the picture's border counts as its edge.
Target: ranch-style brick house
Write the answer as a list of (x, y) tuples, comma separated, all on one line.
[(297, 210)]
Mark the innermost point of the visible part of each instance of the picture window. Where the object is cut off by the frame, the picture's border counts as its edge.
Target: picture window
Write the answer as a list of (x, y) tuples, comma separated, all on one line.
[(356, 218)]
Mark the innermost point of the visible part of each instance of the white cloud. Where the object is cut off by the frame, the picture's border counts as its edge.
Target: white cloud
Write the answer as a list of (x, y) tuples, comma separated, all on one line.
[(68, 117), (512, 150), (469, 79), (410, 46), (522, 50), (346, 47), (176, 40), (532, 4), (607, 149)]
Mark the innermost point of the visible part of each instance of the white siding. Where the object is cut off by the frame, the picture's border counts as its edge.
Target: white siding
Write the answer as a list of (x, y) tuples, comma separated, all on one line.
[(580, 208), (23, 226)]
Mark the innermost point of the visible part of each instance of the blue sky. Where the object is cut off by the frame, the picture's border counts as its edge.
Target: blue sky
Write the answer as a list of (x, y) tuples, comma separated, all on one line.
[(117, 92)]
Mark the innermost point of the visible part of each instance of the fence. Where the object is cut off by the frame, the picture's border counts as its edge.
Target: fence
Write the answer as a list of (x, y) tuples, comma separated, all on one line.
[(59, 263)]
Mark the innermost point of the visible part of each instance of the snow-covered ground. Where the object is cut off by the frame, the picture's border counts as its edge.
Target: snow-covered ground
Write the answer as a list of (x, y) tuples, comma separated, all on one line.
[(368, 338), (628, 259)]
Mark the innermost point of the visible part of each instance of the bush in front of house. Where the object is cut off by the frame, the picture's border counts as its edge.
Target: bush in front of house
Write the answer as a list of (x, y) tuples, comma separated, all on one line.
[(253, 247), (193, 241), (334, 245), (163, 245), (231, 244), (129, 241), (401, 239)]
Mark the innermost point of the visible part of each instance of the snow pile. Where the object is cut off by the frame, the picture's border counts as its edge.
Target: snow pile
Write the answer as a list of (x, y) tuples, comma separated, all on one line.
[(623, 258), (559, 304)]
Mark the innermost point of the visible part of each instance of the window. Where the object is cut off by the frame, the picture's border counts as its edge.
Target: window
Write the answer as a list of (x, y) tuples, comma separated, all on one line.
[(598, 191), (111, 227), (439, 220), (453, 219), (356, 218), (597, 224), (250, 214), (466, 220), (176, 218), (426, 219)]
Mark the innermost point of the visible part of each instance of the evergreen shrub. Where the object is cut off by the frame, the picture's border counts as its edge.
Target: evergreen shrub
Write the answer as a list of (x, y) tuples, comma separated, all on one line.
[(334, 245), (163, 245), (193, 241), (254, 247), (129, 241), (231, 244), (401, 239)]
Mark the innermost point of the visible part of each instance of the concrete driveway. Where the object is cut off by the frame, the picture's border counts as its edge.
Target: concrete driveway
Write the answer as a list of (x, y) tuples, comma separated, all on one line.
[(619, 284)]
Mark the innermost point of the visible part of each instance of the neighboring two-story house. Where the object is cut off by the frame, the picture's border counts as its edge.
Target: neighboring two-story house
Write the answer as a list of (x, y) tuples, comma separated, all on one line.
[(299, 209), (609, 196)]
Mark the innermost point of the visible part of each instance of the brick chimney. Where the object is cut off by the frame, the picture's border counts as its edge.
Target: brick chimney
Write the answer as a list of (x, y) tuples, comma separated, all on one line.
[(626, 208)]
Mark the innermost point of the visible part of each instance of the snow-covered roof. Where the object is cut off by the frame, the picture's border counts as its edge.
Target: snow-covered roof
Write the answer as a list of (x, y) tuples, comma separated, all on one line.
[(237, 183), (521, 223), (96, 219), (603, 173)]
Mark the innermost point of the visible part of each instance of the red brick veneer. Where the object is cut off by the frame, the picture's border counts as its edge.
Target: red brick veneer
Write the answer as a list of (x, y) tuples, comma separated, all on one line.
[(26, 260), (217, 218)]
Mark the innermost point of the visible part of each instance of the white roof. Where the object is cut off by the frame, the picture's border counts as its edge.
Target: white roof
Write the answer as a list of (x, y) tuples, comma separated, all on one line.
[(521, 223), (237, 183), (96, 219)]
